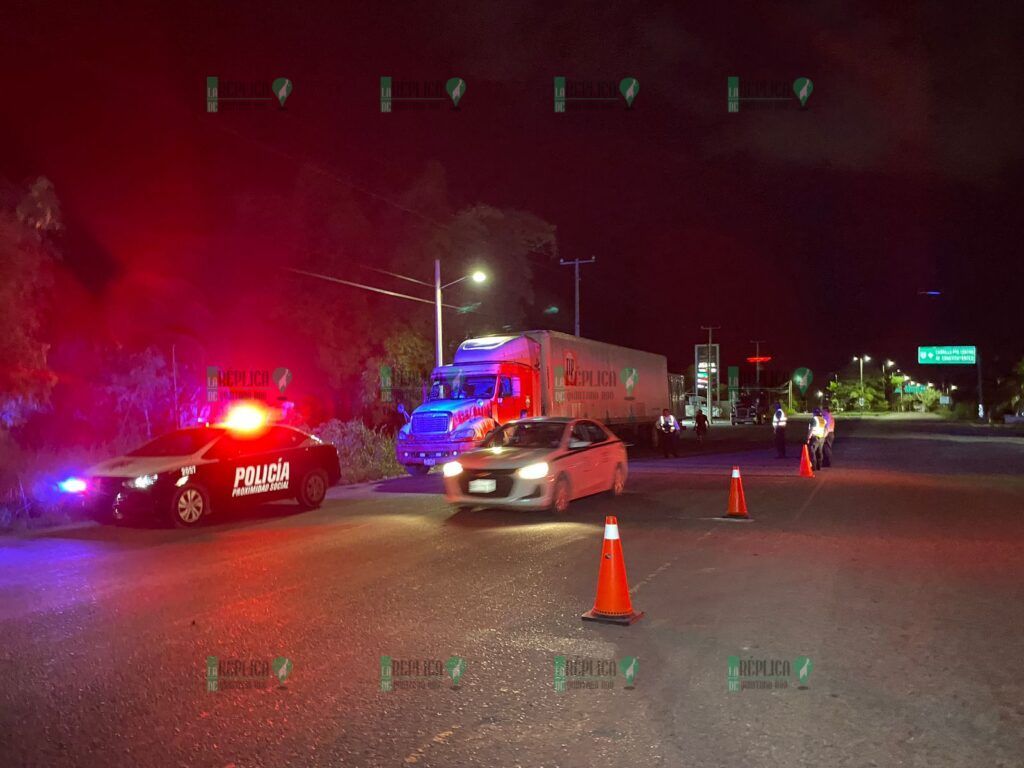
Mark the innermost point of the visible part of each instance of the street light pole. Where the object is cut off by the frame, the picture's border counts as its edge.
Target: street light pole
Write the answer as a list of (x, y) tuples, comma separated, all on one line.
[(757, 361), (861, 359), (576, 269), (711, 407), (438, 346)]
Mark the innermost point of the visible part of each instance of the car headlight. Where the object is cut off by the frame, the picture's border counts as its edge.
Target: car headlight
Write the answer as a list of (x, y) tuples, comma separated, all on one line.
[(452, 469), (142, 481), (534, 471), (464, 434)]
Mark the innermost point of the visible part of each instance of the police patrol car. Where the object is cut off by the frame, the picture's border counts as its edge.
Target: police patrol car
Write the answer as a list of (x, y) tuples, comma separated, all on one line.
[(189, 474)]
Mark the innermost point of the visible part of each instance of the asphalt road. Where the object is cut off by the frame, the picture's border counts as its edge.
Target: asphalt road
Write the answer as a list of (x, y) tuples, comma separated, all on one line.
[(898, 573)]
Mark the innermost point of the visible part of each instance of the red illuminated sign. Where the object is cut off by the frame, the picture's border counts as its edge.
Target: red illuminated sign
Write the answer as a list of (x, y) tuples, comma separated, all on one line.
[(761, 359)]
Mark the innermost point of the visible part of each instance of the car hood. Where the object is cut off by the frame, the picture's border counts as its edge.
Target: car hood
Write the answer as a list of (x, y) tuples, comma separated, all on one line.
[(133, 466), (508, 458)]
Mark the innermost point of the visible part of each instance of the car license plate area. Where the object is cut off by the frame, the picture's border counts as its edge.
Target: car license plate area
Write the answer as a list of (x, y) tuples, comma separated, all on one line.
[(483, 486), (429, 462)]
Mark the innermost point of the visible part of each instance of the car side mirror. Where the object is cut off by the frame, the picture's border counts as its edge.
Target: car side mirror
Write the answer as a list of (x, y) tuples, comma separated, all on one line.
[(575, 445)]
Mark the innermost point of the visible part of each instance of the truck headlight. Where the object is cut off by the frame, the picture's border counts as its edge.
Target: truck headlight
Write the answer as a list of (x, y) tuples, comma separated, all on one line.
[(403, 433), (452, 469), (534, 471), (142, 481), (464, 434)]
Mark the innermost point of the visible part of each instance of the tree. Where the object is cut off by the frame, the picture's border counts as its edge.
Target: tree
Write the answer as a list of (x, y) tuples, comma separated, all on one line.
[(27, 259), (847, 395), (141, 394)]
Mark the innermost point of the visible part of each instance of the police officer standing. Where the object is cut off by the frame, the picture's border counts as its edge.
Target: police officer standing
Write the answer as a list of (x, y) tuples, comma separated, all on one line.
[(668, 428), (816, 437), (779, 425), (830, 436)]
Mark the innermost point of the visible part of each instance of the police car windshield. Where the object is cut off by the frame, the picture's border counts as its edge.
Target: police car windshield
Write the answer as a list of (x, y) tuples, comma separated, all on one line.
[(527, 434), (460, 387), (183, 442)]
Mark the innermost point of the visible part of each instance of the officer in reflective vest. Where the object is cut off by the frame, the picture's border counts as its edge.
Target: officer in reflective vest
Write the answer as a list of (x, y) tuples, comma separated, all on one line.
[(816, 437), (830, 436), (669, 429), (779, 425)]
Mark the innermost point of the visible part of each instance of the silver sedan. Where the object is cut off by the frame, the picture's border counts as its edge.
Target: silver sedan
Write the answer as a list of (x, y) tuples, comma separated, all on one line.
[(541, 463)]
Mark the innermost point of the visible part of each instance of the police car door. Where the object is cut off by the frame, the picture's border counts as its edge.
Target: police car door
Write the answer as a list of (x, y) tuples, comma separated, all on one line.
[(266, 467)]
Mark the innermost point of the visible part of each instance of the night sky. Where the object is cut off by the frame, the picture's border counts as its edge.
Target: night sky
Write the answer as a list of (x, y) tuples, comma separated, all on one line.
[(812, 229)]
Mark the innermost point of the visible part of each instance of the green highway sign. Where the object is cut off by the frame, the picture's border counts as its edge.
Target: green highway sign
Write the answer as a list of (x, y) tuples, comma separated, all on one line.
[(910, 389), (947, 355)]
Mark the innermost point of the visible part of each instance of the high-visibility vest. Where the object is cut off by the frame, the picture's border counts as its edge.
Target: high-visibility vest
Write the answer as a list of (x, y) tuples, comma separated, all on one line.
[(668, 424), (779, 420), (817, 427)]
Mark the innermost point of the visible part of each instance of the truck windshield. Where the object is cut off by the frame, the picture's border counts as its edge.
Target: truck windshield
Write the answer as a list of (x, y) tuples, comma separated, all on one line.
[(527, 434), (458, 386)]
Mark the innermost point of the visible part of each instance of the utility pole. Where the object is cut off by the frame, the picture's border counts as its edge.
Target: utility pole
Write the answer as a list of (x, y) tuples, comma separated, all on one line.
[(711, 405), (174, 375), (576, 265), (757, 361), (981, 402)]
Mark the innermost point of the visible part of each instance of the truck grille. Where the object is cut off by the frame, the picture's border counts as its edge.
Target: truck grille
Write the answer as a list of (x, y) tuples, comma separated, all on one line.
[(430, 422)]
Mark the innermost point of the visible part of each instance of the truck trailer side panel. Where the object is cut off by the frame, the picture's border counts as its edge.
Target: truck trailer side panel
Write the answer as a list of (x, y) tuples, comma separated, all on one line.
[(582, 378)]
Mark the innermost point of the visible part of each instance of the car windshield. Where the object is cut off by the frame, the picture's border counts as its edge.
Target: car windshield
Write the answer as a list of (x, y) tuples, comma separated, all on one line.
[(183, 442), (458, 386), (527, 434)]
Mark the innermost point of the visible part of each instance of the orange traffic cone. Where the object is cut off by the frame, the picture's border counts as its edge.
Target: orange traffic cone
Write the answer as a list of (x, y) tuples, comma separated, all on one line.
[(805, 464), (612, 604), (737, 501)]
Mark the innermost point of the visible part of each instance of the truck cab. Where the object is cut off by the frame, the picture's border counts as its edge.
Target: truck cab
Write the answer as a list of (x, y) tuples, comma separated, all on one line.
[(493, 381)]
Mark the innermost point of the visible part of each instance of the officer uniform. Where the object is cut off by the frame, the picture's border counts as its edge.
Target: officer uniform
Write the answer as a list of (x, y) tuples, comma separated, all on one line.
[(779, 425), (669, 428), (830, 436), (816, 437)]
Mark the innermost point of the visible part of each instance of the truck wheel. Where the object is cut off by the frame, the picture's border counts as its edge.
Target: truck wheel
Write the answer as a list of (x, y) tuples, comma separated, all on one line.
[(417, 470), (312, 489), (188, 505), (561, 496)]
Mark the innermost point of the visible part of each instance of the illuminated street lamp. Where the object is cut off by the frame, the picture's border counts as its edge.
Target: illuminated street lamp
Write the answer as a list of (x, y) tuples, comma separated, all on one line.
[(477, 276), (862, 359)]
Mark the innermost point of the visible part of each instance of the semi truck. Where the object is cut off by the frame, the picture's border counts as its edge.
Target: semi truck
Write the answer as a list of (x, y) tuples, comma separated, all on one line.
[(496, 379)]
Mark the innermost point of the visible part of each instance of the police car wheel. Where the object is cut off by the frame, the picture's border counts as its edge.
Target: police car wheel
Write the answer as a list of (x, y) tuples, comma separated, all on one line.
[(188, 505), (313, 489)]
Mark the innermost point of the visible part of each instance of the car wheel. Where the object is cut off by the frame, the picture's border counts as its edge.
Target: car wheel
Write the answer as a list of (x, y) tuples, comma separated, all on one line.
[(417, 470), (188, 505), (312, 489), (618, 481), (561, 496)]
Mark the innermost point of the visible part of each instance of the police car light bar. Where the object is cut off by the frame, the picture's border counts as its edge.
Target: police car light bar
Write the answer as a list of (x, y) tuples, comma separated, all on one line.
[(245, 417)]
